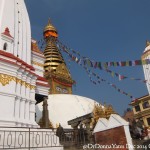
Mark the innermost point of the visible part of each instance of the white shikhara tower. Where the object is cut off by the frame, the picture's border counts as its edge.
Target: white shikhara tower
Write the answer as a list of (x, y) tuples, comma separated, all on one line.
[(146, 68), (21, 67), (14, 20)]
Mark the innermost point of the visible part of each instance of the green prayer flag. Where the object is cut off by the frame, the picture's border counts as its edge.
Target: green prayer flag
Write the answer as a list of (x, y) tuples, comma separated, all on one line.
[(99, 65), (112, 74), (127, 63), (115, 63), (105, 65)]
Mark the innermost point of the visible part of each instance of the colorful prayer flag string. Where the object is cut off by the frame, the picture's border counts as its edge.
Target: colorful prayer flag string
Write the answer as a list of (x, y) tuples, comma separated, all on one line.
[(82, 63), (97, 64), (99, 79), (104, 66), (114, 74)]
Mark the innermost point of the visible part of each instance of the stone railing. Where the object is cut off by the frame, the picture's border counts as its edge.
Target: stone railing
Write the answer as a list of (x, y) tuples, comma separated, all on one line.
[(29, 138)]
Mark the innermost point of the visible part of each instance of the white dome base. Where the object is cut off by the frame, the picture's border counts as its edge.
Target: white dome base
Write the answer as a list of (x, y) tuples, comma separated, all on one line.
[(65, 107)]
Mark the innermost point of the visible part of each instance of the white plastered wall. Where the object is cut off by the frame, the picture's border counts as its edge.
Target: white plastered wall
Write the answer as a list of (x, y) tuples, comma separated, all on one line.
[(17, 101), (146, 69), (114, 121), (13, 14), (38, 58)]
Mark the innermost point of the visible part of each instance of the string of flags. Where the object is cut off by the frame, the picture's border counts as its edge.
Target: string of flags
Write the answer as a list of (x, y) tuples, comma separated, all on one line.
[(98, 64), (114, 74), (41, 43), (99, 80), (41, 40), (87, 62), (122, 77), (80, 62)]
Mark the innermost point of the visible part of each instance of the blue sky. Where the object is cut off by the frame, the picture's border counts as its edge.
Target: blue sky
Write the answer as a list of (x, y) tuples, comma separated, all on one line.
[(103, 30)]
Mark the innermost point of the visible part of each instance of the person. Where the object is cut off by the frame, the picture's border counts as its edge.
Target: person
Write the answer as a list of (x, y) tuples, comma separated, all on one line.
[(139, 126), (143, 135), (137, 133), (81, 133), (60, 132), (136, 129)]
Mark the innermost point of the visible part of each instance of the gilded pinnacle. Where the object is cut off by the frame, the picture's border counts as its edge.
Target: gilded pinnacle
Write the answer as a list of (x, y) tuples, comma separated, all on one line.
[(50, 27)]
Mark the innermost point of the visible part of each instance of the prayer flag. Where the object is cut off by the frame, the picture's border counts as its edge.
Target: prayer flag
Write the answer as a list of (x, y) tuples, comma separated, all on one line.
[(115, 63), (112, 74), (127, 63), (99, 65), (123, 63), (105, 65)]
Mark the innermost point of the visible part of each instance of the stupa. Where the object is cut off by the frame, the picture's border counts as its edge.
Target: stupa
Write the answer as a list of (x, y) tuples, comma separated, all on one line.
[(62, 104)]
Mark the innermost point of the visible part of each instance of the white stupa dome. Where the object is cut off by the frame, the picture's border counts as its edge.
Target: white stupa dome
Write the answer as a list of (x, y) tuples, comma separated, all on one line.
[(65, 107)]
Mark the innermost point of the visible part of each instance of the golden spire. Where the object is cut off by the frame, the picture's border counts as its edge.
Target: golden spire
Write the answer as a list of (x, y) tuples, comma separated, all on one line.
[(56, 71), (49, 27), (51, 53), (53, 57), (50, 30)]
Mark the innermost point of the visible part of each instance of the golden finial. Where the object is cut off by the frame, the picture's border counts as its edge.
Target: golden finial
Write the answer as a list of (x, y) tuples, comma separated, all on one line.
[(49, 21), (50, 27)]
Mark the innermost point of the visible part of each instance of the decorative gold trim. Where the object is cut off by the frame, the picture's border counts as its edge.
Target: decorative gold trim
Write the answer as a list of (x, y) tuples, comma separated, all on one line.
[(14, 79), (37, 64), (101, 111), (27, 85), (23, 83), (32, 87), (18, 81), (6, 79)]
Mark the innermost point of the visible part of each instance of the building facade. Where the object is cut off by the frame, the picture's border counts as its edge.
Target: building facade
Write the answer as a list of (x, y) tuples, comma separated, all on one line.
[(141, 109)]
